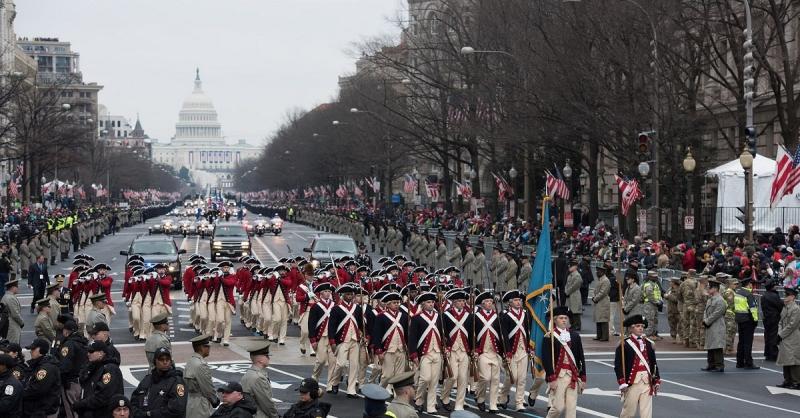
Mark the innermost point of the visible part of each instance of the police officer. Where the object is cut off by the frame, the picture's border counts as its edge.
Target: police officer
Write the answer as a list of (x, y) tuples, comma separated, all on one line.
[(197, 374), (375, 398), (162, 393), (72, 356), (255, 382), (158, 338), (10, 389), (404, 394), (308, 405), (100, 381), (102, 333), (41, 396), (746, 309), (43, 326), (652, 304)]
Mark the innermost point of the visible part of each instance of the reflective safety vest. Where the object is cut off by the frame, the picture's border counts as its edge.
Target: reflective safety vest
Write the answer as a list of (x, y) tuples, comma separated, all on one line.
[(649, 287), (744, 305)]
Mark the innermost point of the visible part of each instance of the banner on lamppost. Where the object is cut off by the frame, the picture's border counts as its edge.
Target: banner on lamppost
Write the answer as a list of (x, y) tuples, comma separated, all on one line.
[(568, 221), (642, 221)]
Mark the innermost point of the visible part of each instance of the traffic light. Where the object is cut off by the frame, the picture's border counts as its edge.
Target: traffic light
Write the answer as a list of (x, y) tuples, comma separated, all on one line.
[(750, 135), (644, 142)]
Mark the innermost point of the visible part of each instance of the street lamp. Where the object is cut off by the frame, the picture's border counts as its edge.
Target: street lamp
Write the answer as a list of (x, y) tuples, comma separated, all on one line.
[(567, 170), (416, 175), (746, 160), (689, 165), (467, 50), (66, 107), (336, 122), (644, 168)]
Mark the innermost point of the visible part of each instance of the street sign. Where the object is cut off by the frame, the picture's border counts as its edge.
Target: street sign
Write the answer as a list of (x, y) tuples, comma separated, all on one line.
[(688, 222), (568, 221)]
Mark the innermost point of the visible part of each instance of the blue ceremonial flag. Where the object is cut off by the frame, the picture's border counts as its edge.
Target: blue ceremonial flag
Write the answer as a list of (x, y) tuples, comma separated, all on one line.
[(541, 284)]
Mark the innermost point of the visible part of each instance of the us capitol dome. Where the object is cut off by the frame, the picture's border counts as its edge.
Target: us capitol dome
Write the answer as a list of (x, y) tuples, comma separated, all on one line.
[(199, 144)]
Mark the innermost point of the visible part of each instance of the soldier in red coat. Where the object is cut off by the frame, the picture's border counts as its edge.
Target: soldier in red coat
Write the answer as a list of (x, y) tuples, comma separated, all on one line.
[(279, 293), (304, 296)]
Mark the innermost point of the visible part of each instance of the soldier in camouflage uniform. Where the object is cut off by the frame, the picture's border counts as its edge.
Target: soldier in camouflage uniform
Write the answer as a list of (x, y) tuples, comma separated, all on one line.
[(687, 294), (701, 297), (674, 309), (730, 314)]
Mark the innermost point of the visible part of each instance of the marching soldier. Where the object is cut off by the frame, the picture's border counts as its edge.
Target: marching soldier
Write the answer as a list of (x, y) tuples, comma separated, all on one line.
[(457, 326), (100, 382), (486, 348), (637, 371), (42, 383), (225, 304), (98, 312), (687, 295), (43, 326), (158, 338), (344, 330), (652, 304), (425, 342), (515, 323), (564, 364), (197, 375), (318, 318), (388, 338), (305, 299), (255, 382), (162, 393), (282, 285)]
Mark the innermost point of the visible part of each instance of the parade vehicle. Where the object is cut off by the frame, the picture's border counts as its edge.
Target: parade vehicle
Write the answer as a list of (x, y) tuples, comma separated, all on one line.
[(156, 250), (276, 225), (258, 227), (167, 226), (187, 227), (326, 247), (229, 240), (204, 227)]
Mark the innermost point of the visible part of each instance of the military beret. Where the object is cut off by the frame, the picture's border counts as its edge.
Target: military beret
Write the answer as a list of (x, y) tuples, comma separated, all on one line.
[(119, 401)]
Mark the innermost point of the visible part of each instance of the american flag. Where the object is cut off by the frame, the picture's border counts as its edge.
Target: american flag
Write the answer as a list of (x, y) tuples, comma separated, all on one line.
[(504, 190), (432, 189), (358, 192), (787, 175), (629, 190), (410, 184), (373, 184), (341, 191), (556, 186), (464, 190), (13, 189)]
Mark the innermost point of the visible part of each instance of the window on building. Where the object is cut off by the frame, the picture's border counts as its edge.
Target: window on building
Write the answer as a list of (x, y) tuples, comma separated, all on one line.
[(45, 64), (63, 64)]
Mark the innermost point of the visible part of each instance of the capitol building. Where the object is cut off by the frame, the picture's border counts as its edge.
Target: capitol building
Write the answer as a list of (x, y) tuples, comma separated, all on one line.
[(199, 145)]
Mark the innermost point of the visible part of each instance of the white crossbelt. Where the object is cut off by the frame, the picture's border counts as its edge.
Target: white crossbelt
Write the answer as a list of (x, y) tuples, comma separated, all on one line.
[(519, 324), (431, 327), (639, 354), (567, 350), (348, 316), (458, 325), (487, 325), (326, 312), (395, 324)]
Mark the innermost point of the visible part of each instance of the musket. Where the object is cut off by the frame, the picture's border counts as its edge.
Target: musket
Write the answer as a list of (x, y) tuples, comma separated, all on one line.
[(506, 366), (622, 329), (474, 371), (448, 372), (363, 343)]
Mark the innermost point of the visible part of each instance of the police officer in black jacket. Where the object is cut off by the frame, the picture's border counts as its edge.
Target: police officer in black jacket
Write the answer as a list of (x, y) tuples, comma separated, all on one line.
[(42, 382), (71, 356), (100, 381), (10, 389), (162, 392)]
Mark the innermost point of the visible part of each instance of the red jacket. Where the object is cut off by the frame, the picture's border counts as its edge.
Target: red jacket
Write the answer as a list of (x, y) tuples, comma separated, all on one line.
[(302, 297), (243, 277), (228, 284), (105, 284), (188, 281), (165, 284), (126, 286), (285, 284)]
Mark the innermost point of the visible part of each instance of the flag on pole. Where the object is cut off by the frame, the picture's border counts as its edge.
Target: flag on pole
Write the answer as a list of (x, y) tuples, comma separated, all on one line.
[(432, 189), (504, 190), (465, 190), (556, 186), (629, 191), (539, 288), (410, 184), (787, 175)]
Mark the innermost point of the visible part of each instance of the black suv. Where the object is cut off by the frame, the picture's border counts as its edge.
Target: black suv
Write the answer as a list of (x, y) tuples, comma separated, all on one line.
[(230, 240), (158, 249)]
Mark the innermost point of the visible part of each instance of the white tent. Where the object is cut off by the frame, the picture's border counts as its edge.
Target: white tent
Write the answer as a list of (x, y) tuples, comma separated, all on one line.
[(730, 195)]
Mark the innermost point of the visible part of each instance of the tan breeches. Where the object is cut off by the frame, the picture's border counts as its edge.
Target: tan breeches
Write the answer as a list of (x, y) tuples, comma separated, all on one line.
[(347, 353), (459, 364), (304, 343), (393, 364), (280, 317), (562, 400), (147, 313), (266, 317), (430, 368), (489, 366), (637, 397), (136, 314), (255, 312), (325, 357), (519, 369), (222, 320)]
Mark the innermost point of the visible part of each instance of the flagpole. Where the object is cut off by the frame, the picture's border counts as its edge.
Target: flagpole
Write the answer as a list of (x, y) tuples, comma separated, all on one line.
[(621, 328)]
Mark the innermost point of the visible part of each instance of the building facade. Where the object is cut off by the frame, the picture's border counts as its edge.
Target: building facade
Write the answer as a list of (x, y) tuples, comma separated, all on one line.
[(199, 144)]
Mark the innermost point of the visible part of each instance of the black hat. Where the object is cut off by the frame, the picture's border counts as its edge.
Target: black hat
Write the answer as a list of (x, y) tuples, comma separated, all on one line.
[(308, 385), (159, 319), (350, 263), (457, 294), (345, 288), (483, 296), (133, 262), (790, 290), (391, 296), (512, 294), (259, 349), (409, 287), (231, 387), (745, 281), (201, 340), (13, 348), (280, 267), (426, 297), (225, 264), (409, 264), (402, 380), (12, 283), (362, 268), (99, 326), (97, 346), (135, 257), (561, 311), (379, 295), (197, 262), (98, 297), (40, 343), (162, 351), (383, 260), (243, 258), (420, 269), (103, 266), (322, 287), (119, 401), (452, 268), (7, 360), (195, 256), (399, 257), (634, 320), (391, 287), (391, 267)]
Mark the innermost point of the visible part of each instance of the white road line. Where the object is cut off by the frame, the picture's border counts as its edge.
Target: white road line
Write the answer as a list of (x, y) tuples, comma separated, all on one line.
[(128, 376), (762, 367), (299, 236), (271, 254), (183, 309), (197, 245), (661, 353), (714, 393)]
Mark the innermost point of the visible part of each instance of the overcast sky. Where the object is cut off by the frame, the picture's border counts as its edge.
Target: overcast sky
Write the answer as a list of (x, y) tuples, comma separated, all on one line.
[(257, 58)]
